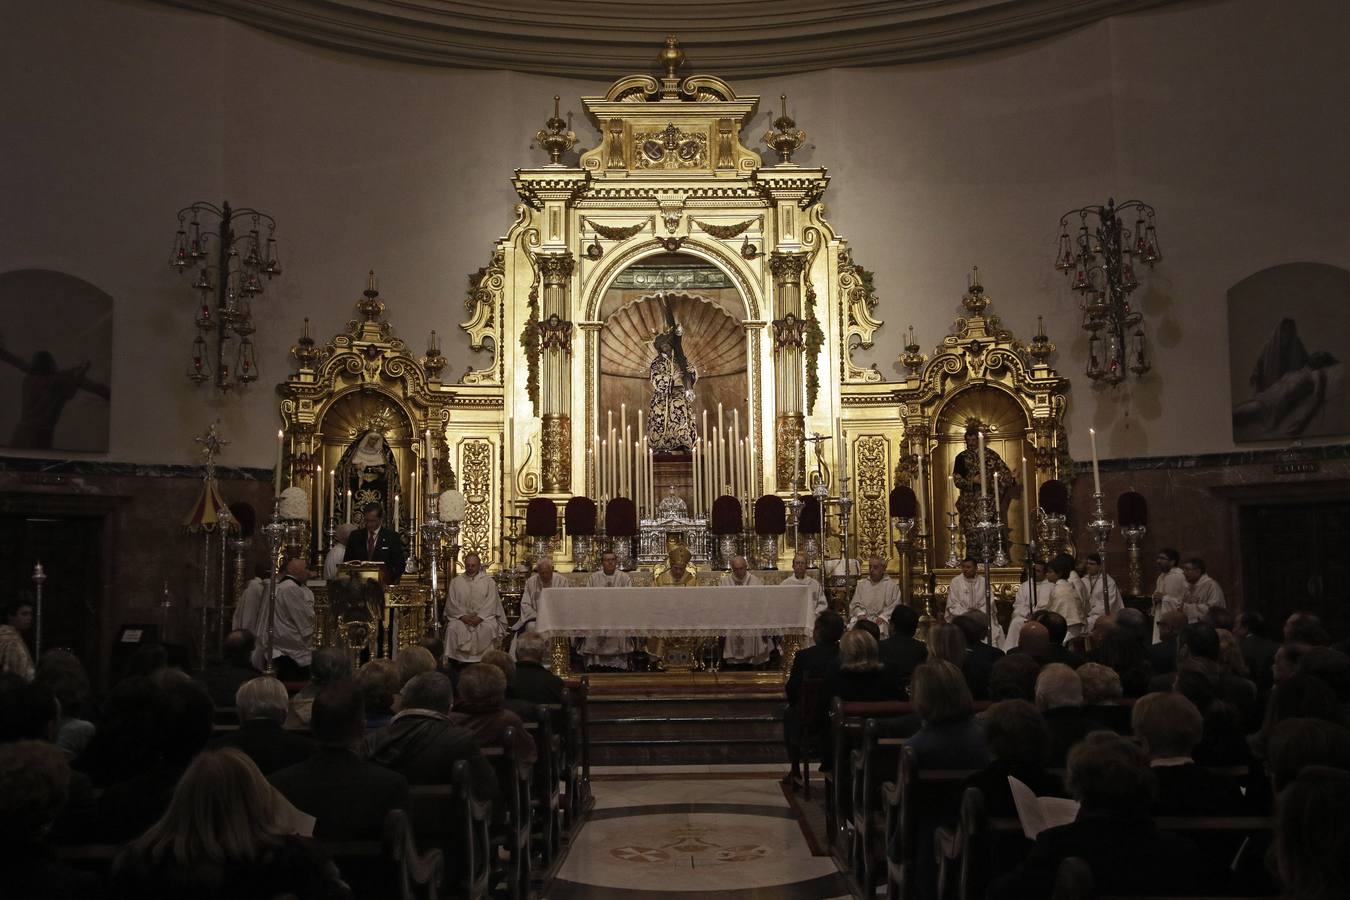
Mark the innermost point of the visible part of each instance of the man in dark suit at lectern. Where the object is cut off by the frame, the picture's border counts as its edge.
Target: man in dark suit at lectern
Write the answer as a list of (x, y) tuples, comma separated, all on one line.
[(375, 543)]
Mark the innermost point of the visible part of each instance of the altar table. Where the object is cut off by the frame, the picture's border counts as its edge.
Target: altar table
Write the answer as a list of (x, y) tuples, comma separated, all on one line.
[(675, 611)]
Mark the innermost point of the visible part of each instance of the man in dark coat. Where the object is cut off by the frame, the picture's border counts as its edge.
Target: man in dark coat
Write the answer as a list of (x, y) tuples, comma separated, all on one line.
[(262, 705), (421, 744), (375, 543), (534, 683), (347, 795), (901, 653)]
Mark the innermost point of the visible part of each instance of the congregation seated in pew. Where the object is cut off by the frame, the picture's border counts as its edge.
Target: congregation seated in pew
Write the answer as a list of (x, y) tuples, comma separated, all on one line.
[(262, 705)]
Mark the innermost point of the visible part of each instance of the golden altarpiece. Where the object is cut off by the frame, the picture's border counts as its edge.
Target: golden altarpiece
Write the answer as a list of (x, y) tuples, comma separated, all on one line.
[(669, 210)]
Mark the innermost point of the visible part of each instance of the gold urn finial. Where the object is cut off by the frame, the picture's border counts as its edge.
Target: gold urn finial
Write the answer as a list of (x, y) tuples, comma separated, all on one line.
[(785, 137), (370, 305), (555, 138), (671, 56), (1041, 345), (434, 361), (975, 300)]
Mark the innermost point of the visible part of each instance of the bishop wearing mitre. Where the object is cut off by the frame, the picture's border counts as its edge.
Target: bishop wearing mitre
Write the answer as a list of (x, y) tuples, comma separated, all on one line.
[(677, 575), (607, 651), (744, 649), (799, 577), (473, 613), (874, 597)]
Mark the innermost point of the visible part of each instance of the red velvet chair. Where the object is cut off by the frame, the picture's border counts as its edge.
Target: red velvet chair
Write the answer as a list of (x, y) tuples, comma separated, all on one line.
[(726, 526), (541, 523), (621, 526), (579, 516), (770, 524)]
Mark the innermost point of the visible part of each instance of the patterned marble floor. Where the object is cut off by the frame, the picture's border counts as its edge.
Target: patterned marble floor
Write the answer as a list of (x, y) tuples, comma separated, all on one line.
[(665, 833)]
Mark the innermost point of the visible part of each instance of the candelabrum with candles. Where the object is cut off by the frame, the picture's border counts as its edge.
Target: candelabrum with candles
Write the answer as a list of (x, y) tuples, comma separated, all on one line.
[(1050, 530), (1000, 557), (229, 276), (433, 529), (988, 528), (1099, 261), (275, 532), (903, 526), (1100, 526), (1134, 538)]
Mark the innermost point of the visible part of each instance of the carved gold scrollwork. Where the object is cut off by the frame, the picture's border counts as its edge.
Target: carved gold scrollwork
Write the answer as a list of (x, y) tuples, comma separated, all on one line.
[(725, 232), (787, 266), (557, 267), (790, 443), (475, 534), (555, 458), (859, 298), (870, 465), (485, 293), (670, 148), (614, 232)]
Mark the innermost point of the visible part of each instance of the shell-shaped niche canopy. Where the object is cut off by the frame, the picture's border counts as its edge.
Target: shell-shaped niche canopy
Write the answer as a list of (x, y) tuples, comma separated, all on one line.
[(713, 340)]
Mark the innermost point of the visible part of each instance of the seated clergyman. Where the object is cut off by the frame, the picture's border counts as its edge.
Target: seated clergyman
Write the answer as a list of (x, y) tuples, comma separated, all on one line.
[(744, 649)]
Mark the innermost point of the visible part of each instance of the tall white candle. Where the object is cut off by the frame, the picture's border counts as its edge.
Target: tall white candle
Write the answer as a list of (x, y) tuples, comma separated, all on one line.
[(1096, 473), (951, 492), (628, 461), (396, 511), (623, 418), (593, 470), (319, 522), (604, 477), (998, 508), (276, 475), (333, 491), (349, 504), (1028, 495), (984, 482)]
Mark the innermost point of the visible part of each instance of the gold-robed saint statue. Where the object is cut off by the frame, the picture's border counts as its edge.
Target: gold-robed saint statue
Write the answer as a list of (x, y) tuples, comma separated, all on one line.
[(672, 407)]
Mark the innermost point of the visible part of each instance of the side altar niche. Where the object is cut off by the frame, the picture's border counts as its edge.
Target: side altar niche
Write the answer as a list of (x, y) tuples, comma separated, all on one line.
[(670, 247)]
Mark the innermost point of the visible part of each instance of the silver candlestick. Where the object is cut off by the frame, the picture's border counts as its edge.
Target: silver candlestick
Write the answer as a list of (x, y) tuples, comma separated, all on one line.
[(275, 532), (1000, 558), (953, 557), (432, 531), (987, 527)]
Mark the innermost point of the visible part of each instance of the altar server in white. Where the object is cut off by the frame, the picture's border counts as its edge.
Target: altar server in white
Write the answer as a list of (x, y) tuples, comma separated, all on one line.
[(966, 593), (1101, 591), (799, 577), (606, 652), (337, 554), (1023, 603), (744, 649), (543, 577), (874, 597), (473, 613), (1169, 588), (1202, 592)]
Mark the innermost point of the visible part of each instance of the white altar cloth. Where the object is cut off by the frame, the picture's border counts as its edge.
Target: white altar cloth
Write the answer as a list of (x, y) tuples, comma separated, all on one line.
[(675, 611)]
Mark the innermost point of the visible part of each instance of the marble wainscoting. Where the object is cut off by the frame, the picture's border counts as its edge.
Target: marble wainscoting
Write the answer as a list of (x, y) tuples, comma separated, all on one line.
[(672, 833)]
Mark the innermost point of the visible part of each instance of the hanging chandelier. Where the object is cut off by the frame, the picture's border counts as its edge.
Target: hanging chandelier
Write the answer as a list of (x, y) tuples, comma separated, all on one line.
[(1100, 262), (230, 268)]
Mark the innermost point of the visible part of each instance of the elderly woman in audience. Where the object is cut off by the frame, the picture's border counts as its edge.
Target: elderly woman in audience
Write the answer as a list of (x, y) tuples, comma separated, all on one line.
[(327, 666), (262, 705), (1312, 833), (482, 692), (1059, 697), (413, 661), (64, 674), (34, 786), (1020, 744), (378, 683), (1110, 777), (224, 835), (1170, 727), (949, 737), (1101, 685)]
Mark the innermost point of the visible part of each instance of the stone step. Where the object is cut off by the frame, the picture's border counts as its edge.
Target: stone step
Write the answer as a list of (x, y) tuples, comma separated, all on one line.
[(602, 708), (663, 753), (764, 728)]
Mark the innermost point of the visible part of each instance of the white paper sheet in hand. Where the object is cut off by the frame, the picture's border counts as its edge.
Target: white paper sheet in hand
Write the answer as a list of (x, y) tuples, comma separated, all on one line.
[(1039, 813)]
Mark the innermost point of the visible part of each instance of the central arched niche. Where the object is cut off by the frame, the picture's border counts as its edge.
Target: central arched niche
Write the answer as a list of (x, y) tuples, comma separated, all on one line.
[(709, 309)]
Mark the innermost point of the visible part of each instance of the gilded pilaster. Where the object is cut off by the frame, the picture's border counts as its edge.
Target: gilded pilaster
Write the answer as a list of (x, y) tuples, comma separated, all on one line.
[(555, 347), (788, 346)]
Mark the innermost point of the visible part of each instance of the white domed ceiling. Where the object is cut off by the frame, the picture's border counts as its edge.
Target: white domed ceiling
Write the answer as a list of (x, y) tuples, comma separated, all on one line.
[(606, 39), (713, 340)]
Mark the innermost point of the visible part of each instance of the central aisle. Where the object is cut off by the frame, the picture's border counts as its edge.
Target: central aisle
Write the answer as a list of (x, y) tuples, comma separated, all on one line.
[(692, 832)]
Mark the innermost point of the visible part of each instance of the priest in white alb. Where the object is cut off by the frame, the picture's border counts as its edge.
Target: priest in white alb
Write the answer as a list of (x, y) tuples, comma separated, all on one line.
[(1169, 588), (473, 613), (967, 592), (744, 649), (1025, 602), (1100, 591), (543, 577), (608, 651), (799, 577), (874, 597), (1202, 592)]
